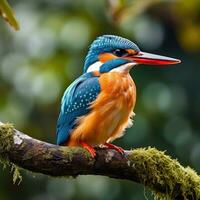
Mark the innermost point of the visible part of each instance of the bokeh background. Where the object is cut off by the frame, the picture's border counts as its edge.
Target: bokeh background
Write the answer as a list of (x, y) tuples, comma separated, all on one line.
[(39, 62)]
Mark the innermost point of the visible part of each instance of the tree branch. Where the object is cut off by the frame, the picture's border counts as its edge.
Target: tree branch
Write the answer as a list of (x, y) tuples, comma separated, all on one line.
[(164, 176)]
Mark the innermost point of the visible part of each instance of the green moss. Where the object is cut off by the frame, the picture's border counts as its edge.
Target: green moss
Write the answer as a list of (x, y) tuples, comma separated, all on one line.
[(158, 169), (3, 161), (6, 137), (17, 178), (6, 142), (70, 151)]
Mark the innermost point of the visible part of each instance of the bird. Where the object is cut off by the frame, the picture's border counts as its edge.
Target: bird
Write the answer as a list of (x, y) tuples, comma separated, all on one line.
[(98, 106)]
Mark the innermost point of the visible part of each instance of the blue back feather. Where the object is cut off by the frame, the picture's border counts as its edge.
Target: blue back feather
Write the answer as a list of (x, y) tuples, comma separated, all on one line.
[(76, 103)]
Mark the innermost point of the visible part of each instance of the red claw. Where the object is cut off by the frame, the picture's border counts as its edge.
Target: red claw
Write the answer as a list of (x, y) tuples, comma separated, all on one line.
[(112, 146), (89, 148)]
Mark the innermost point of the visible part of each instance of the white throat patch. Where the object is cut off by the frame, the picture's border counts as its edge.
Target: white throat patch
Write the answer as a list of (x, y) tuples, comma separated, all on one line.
[(94, 67), (124, 68)]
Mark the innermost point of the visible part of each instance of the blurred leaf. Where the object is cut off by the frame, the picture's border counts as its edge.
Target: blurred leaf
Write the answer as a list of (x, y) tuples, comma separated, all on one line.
[(7, 13), (121, 9), (188, 27), (189, 37)]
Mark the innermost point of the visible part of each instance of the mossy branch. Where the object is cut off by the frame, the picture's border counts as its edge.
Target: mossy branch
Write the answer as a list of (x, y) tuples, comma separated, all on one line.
[(164, 176)]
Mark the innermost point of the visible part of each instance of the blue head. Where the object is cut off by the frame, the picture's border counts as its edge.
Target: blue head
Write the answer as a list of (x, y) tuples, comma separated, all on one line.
[(106, 48), (109, 52)]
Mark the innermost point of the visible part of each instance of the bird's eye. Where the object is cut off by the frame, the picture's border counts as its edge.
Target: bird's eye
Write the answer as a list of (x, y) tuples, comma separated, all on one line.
[(120, 52)]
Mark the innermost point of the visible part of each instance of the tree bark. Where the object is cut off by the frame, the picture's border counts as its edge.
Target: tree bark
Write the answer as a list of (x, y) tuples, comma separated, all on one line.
[(164, 176)]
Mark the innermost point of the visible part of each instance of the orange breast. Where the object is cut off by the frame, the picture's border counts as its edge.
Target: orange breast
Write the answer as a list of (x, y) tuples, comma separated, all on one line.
[(111, 111)]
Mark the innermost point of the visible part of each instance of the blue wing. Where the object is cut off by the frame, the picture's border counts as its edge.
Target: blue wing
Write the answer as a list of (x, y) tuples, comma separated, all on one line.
[(76, 103)]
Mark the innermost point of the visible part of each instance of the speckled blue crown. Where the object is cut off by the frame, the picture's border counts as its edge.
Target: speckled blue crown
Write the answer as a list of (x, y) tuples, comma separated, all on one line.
[(107, 43)]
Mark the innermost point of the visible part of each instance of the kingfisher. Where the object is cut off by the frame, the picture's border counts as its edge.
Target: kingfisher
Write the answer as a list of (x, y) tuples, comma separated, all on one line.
[(98, 106)]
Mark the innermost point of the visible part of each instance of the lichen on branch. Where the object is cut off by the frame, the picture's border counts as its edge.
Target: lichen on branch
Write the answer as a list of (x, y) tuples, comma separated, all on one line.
[(6, 137), (167, 173), (6, 143)]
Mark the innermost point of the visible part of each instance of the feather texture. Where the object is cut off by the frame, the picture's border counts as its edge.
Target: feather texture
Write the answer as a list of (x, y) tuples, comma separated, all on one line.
[(76, 103), (111, 112)]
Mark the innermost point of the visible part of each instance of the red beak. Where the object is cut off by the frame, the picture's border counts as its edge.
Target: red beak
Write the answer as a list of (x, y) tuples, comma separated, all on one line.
[(152, 59)]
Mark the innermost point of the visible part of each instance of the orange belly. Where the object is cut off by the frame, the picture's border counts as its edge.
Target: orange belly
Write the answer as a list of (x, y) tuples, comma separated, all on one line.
[(110, 113)]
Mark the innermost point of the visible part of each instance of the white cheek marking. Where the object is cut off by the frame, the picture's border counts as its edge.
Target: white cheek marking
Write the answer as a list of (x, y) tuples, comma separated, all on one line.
[(94, 67), (124, 68)]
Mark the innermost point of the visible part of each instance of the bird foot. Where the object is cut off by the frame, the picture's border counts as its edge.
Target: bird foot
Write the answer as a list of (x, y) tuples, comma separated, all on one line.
[(89, 148), (116, 148)]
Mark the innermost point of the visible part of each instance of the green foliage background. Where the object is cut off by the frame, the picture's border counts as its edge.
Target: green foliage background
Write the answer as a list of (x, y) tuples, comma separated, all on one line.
[(39, 62)]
